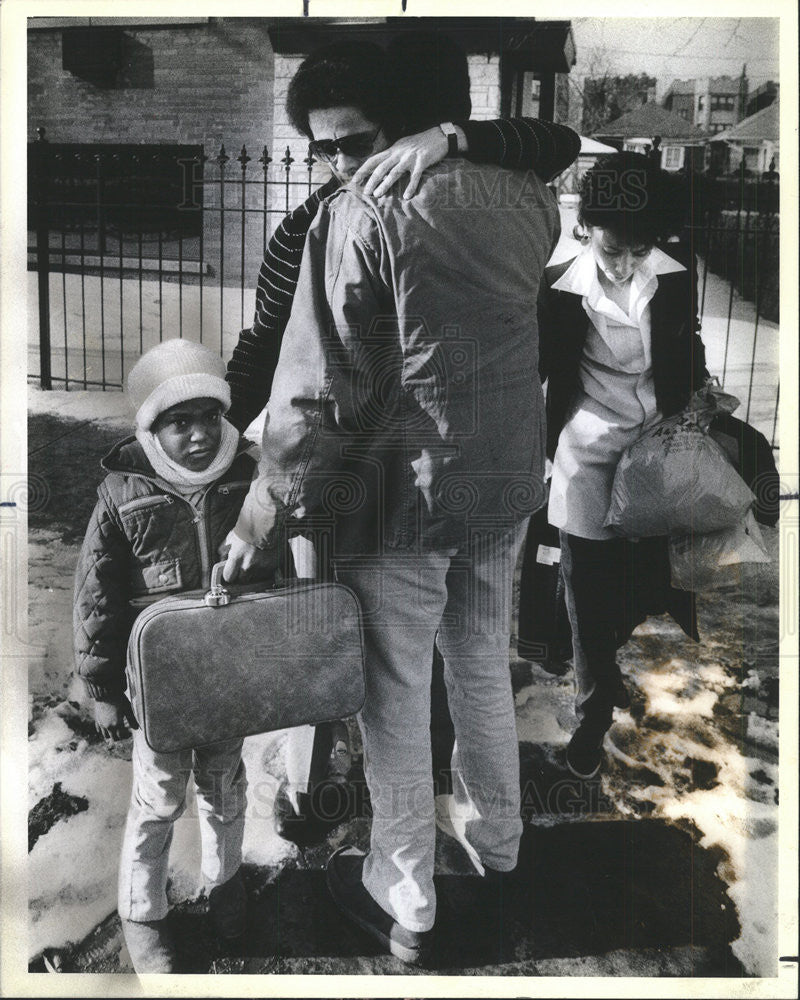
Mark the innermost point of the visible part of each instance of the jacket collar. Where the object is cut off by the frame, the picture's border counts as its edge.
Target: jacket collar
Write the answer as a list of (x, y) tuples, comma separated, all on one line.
[(580, 277)]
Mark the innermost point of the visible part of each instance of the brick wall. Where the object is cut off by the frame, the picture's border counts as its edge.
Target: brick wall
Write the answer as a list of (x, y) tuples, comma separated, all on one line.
[(209, 83), (201, 84), (284, 135)]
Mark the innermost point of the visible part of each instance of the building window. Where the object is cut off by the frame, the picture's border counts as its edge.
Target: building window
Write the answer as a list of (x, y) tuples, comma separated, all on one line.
[(108, 58), (672, 157), (700, 102), (722, 103)]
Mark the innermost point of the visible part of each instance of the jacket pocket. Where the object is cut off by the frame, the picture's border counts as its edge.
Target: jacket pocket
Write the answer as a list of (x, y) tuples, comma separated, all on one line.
[(160, 577), (143, 503)]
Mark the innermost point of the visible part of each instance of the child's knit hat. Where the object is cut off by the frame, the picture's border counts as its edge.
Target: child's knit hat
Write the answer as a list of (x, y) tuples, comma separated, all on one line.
[(172, 372)]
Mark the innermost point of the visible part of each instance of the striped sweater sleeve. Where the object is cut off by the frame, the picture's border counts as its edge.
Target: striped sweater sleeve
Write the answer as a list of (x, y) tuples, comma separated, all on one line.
[(255, 356), (522, 143)]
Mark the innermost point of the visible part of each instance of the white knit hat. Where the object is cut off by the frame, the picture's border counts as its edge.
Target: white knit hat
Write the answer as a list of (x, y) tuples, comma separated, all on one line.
[(172, 372)]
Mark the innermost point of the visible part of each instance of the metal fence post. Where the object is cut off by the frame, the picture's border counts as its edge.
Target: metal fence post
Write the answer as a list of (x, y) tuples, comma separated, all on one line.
[(39, 150)]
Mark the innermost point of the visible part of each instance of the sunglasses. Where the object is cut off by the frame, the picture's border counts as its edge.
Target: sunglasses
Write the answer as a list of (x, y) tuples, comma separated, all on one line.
[(357, 144)]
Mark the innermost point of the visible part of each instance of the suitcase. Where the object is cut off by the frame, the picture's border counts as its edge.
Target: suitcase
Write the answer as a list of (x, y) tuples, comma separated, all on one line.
[(543, 635), (206, 667)]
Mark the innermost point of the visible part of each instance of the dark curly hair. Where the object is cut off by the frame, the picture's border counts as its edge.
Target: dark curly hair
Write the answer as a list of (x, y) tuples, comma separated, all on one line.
[(637, 200), (430, 82), (343, 74)]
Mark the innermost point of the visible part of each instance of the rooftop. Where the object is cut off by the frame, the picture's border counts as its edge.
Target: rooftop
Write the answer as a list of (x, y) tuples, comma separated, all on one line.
[(716, 85), (764, 124), (650, 120)]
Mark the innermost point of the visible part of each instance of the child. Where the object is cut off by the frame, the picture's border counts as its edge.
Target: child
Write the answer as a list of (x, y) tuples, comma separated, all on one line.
[(171, 495)]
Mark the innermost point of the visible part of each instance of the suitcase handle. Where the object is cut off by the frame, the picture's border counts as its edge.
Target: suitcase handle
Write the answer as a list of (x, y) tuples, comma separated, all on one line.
[(218, 596)]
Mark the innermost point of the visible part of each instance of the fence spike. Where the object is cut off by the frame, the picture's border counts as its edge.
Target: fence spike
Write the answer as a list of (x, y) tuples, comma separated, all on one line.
[(222, 156), (287, 159), (265, 159), (243, 158)]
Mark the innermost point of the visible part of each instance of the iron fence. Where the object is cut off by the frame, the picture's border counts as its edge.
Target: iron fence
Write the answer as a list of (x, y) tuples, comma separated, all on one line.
[(735, 232), (132, 243), (111, 225)]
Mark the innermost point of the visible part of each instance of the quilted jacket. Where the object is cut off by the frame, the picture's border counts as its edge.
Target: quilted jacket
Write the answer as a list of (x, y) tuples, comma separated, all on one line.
[(143, 539)]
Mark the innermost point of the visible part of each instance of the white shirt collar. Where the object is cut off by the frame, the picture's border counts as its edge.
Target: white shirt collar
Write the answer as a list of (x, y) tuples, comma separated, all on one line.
[(581, 276)]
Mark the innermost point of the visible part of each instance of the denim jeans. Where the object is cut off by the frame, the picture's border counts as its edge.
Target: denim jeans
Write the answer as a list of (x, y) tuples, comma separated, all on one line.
[(158, 799), (465, 594)]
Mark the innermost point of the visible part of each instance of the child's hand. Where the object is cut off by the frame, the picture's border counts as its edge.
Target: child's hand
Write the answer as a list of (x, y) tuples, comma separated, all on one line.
[(110, 718)]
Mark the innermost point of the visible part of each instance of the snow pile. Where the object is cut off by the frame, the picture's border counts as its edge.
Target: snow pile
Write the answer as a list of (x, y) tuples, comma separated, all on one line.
[(110, 408), (72, 869), (737, 813)]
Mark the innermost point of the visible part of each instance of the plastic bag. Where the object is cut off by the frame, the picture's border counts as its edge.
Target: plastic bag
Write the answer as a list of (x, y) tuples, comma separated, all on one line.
[(702, 562), (676, 479)]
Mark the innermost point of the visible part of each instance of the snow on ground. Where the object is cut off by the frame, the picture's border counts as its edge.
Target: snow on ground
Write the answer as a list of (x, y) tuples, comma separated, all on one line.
[(72, 869), (737, 813), (73, 866), (727, 814), (110, 408)]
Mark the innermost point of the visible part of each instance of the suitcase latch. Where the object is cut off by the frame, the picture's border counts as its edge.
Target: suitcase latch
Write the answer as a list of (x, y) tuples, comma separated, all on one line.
[(218, 596)]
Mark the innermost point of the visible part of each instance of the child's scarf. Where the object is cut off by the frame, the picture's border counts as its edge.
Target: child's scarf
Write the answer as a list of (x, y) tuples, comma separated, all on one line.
[(178, 475)]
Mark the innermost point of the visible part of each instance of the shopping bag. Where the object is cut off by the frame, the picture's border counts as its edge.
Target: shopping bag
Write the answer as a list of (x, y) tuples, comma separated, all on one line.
[(753, 458), (676, 479), (703, 562)]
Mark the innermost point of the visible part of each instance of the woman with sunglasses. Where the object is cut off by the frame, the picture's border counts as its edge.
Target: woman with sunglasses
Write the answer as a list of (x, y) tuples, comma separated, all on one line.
[(372, 116)]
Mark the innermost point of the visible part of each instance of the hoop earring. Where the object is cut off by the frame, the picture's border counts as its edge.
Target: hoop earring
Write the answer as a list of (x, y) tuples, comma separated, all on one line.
[(580, 234)]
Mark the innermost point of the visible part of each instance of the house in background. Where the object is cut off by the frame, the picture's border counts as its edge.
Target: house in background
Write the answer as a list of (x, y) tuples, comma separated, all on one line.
[(678, 143), (753, 145), (568, 183), (711, 103)]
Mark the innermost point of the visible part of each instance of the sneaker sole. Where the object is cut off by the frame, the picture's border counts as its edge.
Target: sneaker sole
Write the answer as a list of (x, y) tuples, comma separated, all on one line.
[(410, 956), (585, 775)]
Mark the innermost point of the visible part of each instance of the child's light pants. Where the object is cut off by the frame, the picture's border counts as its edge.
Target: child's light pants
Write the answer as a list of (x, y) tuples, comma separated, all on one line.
[(158, 799)]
